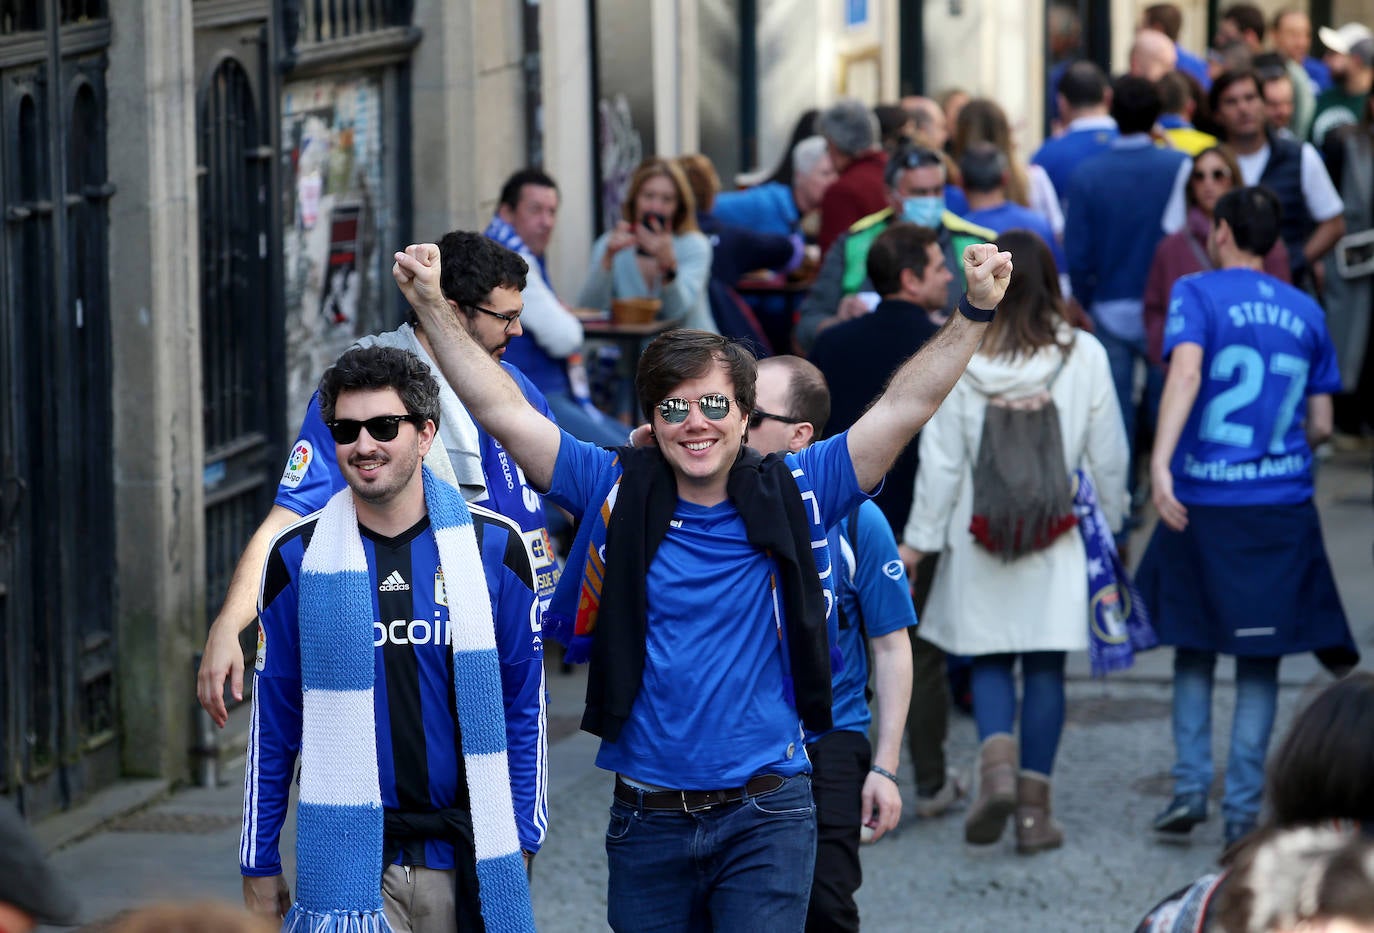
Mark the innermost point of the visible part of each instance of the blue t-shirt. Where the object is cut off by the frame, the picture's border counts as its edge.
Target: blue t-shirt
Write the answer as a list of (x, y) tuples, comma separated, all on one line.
[(418, 765), (874, 593), (712, 711), (1265, 349), (1011, 216), (312, 476)]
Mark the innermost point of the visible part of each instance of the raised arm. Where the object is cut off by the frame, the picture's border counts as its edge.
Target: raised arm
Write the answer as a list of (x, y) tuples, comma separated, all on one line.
[(490, 395), (921, 383)]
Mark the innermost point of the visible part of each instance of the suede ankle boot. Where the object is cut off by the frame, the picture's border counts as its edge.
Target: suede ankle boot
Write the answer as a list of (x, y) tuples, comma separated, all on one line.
[(996, 800), (1036, 829)]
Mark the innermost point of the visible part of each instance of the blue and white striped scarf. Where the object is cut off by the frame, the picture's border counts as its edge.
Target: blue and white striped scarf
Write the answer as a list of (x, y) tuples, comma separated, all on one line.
[(339, 818)]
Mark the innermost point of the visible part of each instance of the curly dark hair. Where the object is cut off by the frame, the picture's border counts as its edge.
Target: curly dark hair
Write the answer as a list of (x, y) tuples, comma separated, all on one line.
[(679, 355), (472, 266), (382, 368)]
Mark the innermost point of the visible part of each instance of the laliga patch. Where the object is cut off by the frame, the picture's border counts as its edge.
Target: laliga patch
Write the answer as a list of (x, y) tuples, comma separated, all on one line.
[(440, 594), (893, 569), (302, 455), (262, 648)]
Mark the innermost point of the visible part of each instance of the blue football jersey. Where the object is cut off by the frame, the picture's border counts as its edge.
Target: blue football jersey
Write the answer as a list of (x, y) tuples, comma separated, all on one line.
[(1266, 349)]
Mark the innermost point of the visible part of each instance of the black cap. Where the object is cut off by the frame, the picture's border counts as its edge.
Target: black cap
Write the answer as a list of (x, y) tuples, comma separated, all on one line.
[(27, 880)]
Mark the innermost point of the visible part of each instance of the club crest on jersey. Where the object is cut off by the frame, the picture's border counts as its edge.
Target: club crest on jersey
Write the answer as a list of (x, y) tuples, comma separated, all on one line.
[(298, 463), (893, 569), (440, 594), (261, 662)]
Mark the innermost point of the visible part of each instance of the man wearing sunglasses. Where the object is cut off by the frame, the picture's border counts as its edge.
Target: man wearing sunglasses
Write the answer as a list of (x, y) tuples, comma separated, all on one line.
[(854, 783), (482, 284), (399, 653), (700, 600), (915, 179)]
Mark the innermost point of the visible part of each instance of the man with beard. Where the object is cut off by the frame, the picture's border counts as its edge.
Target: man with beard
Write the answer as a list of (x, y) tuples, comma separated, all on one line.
[(482, 284)]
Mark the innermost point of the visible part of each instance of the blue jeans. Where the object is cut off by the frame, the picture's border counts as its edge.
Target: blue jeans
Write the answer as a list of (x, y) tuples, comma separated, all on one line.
[(594, 427), (738, 866), (1257, 691), (1121, 357), (1042, 705)]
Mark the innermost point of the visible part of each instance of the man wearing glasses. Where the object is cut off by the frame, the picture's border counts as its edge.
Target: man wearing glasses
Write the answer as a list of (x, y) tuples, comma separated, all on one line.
[(483, 282), (916, 193), (697, 592), (400, 658)]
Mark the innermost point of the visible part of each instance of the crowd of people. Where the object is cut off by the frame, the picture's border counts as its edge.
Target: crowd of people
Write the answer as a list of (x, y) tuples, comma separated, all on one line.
[(999, 360)]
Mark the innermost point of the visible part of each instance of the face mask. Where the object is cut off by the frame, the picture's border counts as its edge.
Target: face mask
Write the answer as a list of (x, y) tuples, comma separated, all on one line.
[(924, 212)]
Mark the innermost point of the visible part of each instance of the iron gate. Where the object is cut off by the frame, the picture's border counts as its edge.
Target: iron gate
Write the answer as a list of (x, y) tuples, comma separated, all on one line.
[(240, 321), (57, 713)]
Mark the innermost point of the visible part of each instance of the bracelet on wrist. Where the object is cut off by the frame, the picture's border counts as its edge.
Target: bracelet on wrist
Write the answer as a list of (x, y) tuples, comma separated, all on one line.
[(884, 772), (977, 315)]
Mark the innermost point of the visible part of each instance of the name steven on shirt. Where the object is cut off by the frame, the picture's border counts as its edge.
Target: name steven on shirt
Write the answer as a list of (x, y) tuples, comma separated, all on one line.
[(1223, 471), (1259, 312)]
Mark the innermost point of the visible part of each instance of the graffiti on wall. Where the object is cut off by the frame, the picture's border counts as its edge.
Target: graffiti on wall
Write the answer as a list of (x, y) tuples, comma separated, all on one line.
[(332, 147), (621, 151)]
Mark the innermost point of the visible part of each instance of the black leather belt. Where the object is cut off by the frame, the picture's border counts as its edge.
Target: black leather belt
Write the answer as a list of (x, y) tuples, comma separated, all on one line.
[(694, 801)]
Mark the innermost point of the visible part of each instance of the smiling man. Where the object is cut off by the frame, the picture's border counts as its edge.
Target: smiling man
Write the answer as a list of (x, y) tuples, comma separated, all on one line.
[(701, 591), (482, 286), (399, 656)]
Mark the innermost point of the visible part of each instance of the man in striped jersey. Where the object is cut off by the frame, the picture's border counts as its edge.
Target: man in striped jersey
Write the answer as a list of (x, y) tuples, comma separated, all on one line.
[(382, 408)]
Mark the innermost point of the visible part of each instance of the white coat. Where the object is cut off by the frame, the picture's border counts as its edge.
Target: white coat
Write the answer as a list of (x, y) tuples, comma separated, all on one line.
[(1039, 602)]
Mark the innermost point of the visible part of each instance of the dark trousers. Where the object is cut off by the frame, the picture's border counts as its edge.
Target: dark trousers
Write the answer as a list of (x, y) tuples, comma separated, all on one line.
[(927, 719), (839, 765)]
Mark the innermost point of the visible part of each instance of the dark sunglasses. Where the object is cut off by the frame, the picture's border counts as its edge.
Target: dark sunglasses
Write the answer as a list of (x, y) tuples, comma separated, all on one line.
[(1217, 174), (758, 415), (507, 319), (381, 428), (675, 410)]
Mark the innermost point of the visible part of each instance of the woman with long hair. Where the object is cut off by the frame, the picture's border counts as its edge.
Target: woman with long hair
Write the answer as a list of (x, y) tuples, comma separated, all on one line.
[(984, 121), (655, 251), (1214, 173), (1008, 585)]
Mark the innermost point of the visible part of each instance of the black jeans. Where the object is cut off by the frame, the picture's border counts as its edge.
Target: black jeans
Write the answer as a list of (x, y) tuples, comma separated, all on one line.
[(927, 719), (839, 765)]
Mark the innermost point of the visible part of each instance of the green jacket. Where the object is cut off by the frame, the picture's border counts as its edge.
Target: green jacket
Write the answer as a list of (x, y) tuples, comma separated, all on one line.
[(955, 234)]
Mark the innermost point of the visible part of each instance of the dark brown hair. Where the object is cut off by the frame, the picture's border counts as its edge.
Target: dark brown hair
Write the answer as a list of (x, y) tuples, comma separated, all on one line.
[(685, 217), (1324, 769), (679, 355), (899, 247), (1032, 311)]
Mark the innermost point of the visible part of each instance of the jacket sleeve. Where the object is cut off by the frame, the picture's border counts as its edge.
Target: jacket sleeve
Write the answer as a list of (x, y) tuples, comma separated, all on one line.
[(1105, 454), (519, 643), (274, 737), (1078, 243), (688, 288), (943, 463), (823, 300), (556, 329), (598, 289)]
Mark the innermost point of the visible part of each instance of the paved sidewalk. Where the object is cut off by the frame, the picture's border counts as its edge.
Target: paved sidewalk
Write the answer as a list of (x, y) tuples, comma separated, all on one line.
[(1110, 778)]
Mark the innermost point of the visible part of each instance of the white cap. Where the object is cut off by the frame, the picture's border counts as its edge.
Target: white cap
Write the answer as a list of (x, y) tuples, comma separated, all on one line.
[(1340, 40)]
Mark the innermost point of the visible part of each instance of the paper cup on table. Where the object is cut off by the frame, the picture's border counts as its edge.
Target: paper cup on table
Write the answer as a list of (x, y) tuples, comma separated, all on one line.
[(634, 310)]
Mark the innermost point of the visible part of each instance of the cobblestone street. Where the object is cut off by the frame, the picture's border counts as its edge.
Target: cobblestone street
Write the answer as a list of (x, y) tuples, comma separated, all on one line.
[(1111, 777)]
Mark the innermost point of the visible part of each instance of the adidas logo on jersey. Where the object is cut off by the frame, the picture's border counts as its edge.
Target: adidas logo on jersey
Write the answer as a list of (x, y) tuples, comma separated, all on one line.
[(393, 583)]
